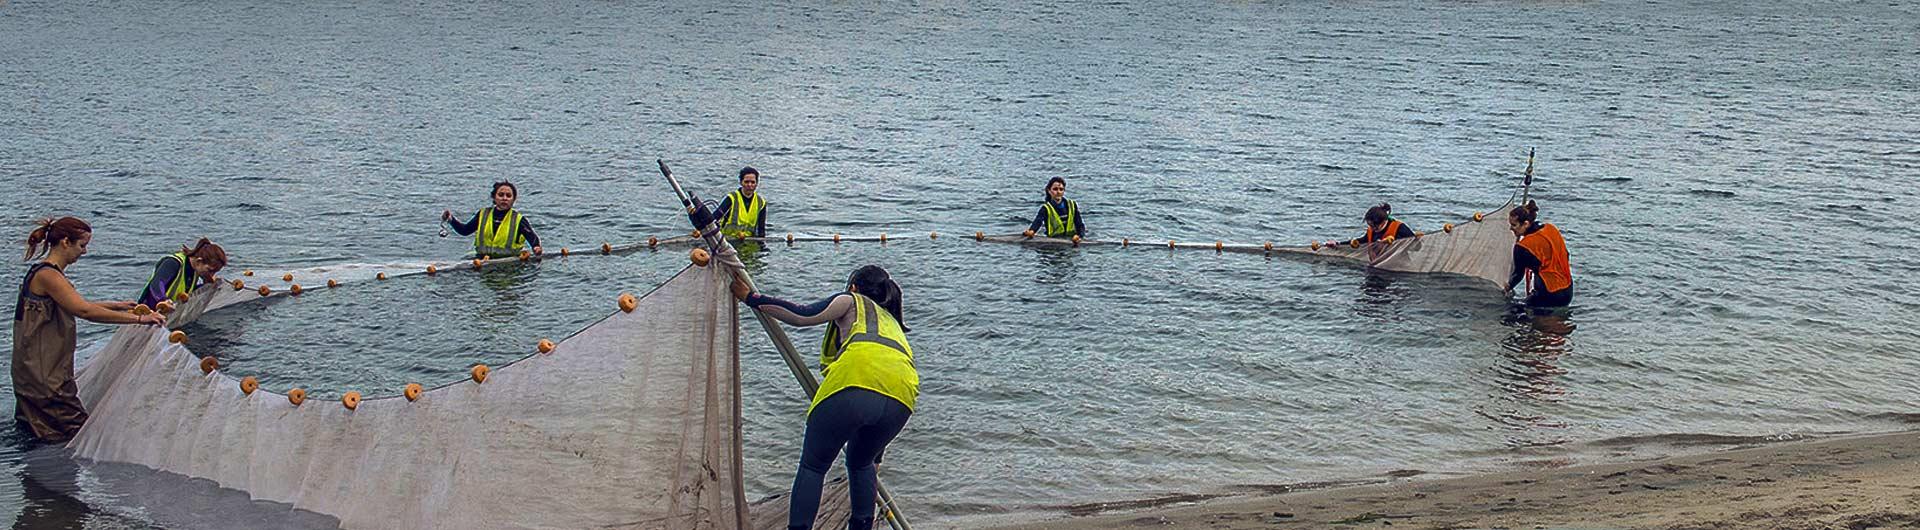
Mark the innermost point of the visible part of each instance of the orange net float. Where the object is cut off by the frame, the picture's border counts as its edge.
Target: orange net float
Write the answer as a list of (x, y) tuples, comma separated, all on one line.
[(177, 337), (1355, 243), (1447, 227), (141, 310), (1268, 247), (239, 285), (979, 236), (1170, 243), (480, 373), (1219, 246), (286, 277), (1314, 245), (606, 248), (208, 364), (164, 307), (836, 239), (1076, 241), (699, 257), (295, 289), (351, 400), (479, 262), (653, 242), (266, 291), (789, 238), (381, 276), (248, 272), (933, 236), (296, 396), (1418, 234), (628, 302), (546, 346), (248, 384), (412, 391), (332, 283), (1124, 242), (883, 238), (526, 255), (182, 297), (563, 252), (432, 270), (694, 234), (1477, 217)]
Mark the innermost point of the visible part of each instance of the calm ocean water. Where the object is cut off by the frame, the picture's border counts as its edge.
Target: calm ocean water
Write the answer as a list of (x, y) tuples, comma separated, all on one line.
[(1734, 179)]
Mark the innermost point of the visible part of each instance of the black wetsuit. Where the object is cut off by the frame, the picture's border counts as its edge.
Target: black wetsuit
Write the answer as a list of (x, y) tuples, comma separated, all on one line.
[(467, 228)]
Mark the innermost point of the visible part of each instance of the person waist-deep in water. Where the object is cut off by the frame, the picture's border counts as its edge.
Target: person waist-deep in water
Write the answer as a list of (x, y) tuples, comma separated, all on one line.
[(1059, 215), (867, 392), (1380, 224), (181, 272), (1541, 253), (744, 212), (46, 400), (499, 231)]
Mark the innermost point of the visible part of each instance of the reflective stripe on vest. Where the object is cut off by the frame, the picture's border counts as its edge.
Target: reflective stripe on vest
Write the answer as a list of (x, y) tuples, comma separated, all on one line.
[(1057, 226), (873, 355), (743, 215), (1393, 227), (1556, 268), (181, 283), (503, 242)]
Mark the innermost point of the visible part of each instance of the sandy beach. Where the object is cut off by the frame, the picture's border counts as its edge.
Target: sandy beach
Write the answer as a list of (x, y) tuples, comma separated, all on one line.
[(1858, 482)]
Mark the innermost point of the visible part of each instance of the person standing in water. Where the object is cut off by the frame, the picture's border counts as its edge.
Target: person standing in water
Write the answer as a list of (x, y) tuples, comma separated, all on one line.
[(1380, 224), (181, 272), (1060, 215), (744, 212), (1540, 252), (46, 400), (500, 231), (866, 396)]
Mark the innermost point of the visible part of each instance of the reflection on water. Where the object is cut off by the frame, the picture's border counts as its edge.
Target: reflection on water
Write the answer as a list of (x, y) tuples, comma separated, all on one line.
[(59, 491), (1056, 264)]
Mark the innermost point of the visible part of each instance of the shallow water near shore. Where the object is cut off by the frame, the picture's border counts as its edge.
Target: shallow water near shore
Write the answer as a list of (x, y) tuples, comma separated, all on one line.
[(1733, 180)]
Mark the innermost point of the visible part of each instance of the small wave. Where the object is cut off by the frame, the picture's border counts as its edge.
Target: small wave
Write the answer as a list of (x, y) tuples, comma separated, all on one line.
[(1710, 193), (1693, 439), (1418, 121), (1277, 489), (1615, 179), (1333, 167), (1091, 508), (1896, 417)]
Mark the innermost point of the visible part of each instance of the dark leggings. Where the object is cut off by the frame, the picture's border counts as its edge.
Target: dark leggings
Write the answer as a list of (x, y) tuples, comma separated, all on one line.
[(864, 422), (1543, 302)]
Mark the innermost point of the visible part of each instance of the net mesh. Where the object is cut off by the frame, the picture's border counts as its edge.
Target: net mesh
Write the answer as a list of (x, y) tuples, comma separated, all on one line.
[(634, 422)]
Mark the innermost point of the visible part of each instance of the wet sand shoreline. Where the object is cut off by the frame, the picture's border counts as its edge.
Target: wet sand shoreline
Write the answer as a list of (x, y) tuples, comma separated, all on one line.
[(1865, 481)]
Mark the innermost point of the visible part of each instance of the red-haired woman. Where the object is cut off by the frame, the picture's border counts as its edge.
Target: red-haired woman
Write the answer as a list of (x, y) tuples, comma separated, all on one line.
[(46, 401)]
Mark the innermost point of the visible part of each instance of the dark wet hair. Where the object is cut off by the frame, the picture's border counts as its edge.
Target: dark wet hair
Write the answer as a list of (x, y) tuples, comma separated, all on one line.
[(53, 232), (1050, 182), (215, 256), (873, 282), (496, 189), (749, 170), (1526, 213), (1379, 214)]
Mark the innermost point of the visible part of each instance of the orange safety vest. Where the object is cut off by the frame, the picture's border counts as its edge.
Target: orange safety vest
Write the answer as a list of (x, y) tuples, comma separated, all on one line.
[(1393, 227), (1556, 270)]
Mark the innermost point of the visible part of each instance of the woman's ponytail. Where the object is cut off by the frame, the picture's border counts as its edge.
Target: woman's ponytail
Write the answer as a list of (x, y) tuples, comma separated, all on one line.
[(54, 232), (874, 282)]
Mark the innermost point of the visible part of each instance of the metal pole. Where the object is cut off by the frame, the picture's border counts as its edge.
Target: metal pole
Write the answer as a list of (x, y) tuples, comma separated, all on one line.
[(710, 233)]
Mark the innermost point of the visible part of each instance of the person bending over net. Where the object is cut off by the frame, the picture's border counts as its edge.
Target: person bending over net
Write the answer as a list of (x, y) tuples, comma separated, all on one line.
[(1380, 225), (866, 395), (181, 272), (500, 231), (46, 400), (1542, 254)]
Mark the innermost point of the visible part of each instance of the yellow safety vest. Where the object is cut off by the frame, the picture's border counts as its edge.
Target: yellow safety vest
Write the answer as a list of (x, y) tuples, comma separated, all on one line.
[(502, 243), (874, 355), (181, 282), (1058, 226), (743, 216)]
